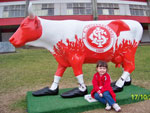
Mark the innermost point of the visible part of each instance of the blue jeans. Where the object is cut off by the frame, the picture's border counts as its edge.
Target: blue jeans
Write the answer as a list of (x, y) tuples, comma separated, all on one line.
[(107, 98)]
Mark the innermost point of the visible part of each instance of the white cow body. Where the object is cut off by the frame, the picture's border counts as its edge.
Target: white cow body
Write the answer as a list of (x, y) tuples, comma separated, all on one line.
[(54, 31)]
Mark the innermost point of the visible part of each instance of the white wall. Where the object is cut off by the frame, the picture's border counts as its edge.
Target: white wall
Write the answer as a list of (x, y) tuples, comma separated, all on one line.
[(57, 9), (146, 36), (122, 2), (124, 9), (6, 36), (63, 9), (1, 11)]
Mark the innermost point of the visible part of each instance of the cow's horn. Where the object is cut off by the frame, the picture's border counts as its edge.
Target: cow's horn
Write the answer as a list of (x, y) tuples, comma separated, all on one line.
[(30, 11)]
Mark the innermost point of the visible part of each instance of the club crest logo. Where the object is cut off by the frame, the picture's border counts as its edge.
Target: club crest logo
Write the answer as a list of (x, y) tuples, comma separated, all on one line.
[(98, 37)]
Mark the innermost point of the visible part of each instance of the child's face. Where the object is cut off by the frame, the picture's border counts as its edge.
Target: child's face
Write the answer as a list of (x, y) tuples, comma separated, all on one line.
[(101, 70)]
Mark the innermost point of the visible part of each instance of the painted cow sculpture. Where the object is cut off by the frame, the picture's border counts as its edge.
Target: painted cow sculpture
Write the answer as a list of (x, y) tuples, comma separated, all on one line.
[(74, 43)]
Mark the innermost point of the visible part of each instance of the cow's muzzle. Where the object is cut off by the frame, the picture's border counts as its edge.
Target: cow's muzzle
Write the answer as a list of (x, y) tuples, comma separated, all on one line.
[(15, 42)]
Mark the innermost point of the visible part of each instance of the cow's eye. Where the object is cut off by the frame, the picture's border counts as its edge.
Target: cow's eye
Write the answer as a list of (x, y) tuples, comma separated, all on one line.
[(24, 25)]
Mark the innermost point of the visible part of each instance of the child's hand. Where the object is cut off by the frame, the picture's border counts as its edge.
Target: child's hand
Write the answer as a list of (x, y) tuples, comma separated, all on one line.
[(101, 95)]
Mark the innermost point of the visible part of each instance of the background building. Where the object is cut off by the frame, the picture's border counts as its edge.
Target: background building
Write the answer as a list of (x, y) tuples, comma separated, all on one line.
[(12, 12)]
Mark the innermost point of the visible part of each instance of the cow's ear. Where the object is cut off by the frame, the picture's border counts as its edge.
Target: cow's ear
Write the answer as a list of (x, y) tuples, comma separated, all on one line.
[(118, 26), (37, 23), (24, 23)]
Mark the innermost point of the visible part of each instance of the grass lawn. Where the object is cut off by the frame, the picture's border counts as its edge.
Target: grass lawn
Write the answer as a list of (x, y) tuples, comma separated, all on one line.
[(31, 69)]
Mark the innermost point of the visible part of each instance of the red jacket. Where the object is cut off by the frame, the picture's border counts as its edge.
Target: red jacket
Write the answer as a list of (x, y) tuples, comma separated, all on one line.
[(102, 84)]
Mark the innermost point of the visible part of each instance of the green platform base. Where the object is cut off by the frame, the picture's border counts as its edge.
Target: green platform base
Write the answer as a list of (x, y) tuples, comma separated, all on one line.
[(56, 104)]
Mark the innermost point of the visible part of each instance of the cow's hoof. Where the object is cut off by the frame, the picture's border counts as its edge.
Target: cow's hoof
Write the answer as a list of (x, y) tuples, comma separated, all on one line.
[(45, 91), (125, 84), (117, 89), (74, 93), (113, 83)]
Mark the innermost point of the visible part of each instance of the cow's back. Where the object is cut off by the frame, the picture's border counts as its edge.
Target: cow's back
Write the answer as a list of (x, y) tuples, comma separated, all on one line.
[(134, 34), (127, 40), (85, 35)]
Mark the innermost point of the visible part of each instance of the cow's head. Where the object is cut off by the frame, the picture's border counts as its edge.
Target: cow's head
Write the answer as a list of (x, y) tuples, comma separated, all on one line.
[(29, 30)]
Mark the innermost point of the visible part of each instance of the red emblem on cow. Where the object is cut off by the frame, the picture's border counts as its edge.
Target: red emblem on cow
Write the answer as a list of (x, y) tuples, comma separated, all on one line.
[(98, 37)]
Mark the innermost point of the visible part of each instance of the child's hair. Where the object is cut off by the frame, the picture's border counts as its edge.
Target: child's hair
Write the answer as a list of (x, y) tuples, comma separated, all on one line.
[(102, 64)]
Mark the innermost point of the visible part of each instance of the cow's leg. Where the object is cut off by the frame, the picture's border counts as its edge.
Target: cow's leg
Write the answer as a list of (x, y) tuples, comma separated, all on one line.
[(77, 69), (76, 62), (128, 81), (120, 82), (129, 66), (59, 73), (54, 89), (82, 86)]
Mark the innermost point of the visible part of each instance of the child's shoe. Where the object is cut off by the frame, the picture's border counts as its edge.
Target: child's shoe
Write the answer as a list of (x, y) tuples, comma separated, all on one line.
[(108, 107), (116, 107)]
